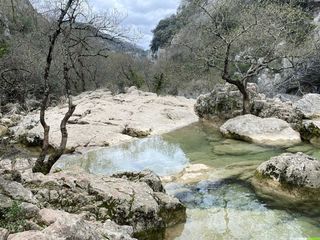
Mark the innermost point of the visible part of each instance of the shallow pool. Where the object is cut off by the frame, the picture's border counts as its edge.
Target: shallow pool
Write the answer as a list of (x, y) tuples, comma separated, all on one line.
[(223, 206)]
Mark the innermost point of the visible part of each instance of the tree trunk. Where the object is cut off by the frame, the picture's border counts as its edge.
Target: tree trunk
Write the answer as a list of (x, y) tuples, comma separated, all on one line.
[(45, 166), (242, 86), (246, 104), (40, 165)]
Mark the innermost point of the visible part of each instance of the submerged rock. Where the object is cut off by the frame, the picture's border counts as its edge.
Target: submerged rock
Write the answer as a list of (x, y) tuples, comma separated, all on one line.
[(290, 174), (264, 131), (236, 148), (191, 174)]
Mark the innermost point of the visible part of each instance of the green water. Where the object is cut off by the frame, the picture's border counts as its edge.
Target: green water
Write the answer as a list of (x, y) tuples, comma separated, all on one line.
[(223, 206)]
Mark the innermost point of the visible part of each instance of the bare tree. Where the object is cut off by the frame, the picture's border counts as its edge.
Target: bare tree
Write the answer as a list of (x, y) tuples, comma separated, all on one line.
[(75, 39), (41, 165), (242, 38)]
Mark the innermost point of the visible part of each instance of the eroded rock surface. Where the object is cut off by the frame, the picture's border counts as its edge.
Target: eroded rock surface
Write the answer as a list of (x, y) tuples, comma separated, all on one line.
[(225, 102), (264, 131), (276, 108), (311, 131), (309, 105), (3, 130), (295, 176), (297, 169), (89, 204), (127, 201), (62, 225), (101, 119)]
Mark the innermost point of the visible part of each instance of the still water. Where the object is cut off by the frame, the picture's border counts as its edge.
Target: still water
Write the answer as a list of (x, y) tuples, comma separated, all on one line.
[(224, 206)]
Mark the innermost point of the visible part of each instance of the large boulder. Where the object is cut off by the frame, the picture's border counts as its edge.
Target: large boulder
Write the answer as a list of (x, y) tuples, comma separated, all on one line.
[(310, 131), (264, 131), (225, 102), (309, 106), (277, 108), (135, 199), (128, 199), (290, 174), (16, 191)]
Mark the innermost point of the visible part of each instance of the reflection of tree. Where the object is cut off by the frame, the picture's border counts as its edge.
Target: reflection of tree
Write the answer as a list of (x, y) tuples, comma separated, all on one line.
[(226, 214), (87, 162)]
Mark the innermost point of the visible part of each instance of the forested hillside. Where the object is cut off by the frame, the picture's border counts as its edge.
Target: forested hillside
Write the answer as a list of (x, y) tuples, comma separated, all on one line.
[(98, 57), (188, 51), (191, 45)]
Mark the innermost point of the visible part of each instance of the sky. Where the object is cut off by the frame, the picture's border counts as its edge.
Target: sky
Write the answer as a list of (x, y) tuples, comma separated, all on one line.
[(143, 15)]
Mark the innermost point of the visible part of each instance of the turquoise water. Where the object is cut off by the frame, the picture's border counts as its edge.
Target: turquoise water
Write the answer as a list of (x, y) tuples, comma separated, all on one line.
[(223, 206)]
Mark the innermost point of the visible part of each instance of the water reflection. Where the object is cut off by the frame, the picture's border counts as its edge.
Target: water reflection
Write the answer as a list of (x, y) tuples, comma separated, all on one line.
[(216, 208), (230, 210), (151, 153)]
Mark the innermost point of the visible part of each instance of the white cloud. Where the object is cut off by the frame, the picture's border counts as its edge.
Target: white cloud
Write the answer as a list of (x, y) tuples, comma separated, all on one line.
[(141, 14)]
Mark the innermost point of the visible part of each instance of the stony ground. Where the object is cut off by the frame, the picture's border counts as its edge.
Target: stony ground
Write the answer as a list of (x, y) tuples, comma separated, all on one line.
[(102, 119)]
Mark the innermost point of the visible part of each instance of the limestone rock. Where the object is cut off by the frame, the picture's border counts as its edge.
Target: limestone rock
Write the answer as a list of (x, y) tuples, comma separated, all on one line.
[(3, 130), (311, 130), (274, 107), (225, 102), (106, 116), (137, 133), (31, 235), (298, 170), (5, 201), (193, 173), (147, 176), (6, 122), (293, 177), (309, 105), (16, 191), (127, 201), (30, 210), (70, 226), (4, 233), (264, 131), (18, 164)]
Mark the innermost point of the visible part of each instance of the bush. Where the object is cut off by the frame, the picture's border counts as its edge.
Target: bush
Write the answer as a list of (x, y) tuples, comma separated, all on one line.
[(13, 218)]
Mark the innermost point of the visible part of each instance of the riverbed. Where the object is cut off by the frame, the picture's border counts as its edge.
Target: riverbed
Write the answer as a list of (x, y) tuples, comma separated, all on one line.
[(223, 205)]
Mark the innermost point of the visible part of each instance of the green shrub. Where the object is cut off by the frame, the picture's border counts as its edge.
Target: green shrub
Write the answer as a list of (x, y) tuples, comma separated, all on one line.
[(13, 218)]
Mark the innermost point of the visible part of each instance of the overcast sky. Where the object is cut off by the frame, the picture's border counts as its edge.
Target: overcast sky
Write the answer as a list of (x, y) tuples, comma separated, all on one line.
[(141, 14)]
